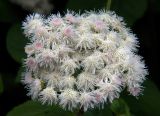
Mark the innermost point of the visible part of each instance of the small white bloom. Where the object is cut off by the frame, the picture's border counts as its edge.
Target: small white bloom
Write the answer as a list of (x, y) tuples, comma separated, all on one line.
[(135, 91), (71, 19), (38, 45), (68, 99), (48, 95), (27, 78), (67, 82), (69, 66), (46, 58), (110, 90), (32, 23), (52, 79), (86, 100), (41, 32), (86, 81), (86, 42), (31, 64), (93, 62), (29, 49), (34, 88)]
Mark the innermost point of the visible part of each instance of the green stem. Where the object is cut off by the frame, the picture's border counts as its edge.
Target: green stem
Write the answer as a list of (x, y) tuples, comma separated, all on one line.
[(108, 4)]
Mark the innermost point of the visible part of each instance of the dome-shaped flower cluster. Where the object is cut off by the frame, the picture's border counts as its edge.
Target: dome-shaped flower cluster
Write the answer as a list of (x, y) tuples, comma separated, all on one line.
[(81, 61)]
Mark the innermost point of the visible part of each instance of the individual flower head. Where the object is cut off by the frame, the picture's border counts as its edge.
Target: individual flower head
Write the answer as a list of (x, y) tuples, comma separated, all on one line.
[(86, 81), (81, 61), (93, 62), (55, 21), (87, 100), (68, 99), (27, 78), (48, 95), (68, 82), (34, 88), (32, 23)]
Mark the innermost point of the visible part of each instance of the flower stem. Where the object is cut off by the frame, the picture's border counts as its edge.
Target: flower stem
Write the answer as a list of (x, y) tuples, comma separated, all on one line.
[(108, 6), (80, 112)]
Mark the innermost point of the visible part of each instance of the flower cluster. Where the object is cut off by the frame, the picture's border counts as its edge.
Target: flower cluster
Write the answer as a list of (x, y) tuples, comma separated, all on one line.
[(40, 6), (81, 61)]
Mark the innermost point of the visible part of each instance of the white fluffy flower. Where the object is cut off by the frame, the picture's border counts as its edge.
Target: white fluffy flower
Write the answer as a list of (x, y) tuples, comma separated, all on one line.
[(93, 62), (86, 81), (34, 88), (67, 82), (48, 95), (27, 78), (81, 61), (52, 80), (86, 100), (68, 99), (69, 66)]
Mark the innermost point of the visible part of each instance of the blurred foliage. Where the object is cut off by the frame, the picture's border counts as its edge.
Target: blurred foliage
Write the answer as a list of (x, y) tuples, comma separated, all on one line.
[(32, 108), (120, 107), (16, 42), (99, 112), (6, 11), (131, 10), (1, 85), (148, 104)]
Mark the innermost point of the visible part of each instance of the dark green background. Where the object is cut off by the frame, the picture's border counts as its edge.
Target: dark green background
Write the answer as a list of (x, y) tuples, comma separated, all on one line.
[(142, 16)]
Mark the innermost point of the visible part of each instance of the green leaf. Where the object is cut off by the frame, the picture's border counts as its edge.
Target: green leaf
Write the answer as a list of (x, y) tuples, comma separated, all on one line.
[(120, 107), (131, 10), (148, 104), (31, 108), (16, 42), (1, 85), (99, 112)]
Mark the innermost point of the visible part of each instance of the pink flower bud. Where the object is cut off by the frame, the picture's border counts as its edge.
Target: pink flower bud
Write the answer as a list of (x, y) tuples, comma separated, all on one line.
[(68, 32), (71, 18), (31, 63), (38, 45), (56, 22)]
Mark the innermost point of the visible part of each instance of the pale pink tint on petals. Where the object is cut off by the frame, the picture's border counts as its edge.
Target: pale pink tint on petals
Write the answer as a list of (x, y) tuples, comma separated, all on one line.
[(71, 18), (98, 97), (31, 63), (38, 45), (68, 32), (57, 21), (28, 78), (135, 91), (99, 25), (39, 31), (117, 80)]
